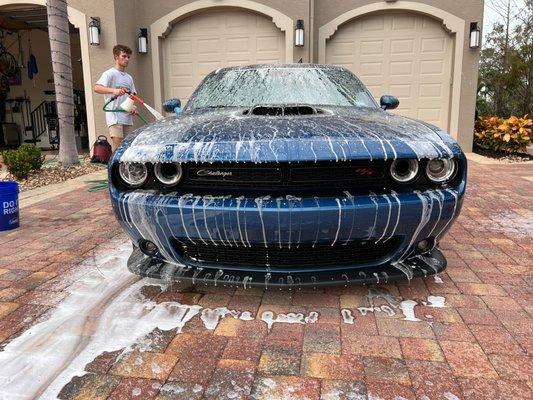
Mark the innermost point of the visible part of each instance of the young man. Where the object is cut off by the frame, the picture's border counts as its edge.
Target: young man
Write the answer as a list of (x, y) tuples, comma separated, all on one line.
[(115, 82)]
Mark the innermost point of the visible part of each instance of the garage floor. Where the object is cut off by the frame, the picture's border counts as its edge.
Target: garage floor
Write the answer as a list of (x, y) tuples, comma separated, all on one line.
[(75, 324)]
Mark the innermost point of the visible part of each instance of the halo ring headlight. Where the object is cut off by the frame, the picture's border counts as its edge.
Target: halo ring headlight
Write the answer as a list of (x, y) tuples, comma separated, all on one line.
[(134, 174), (440, 170), (404, 170), (169, 174)]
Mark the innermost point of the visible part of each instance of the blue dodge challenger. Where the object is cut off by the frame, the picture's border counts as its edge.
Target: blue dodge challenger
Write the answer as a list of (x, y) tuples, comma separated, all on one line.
[(286, 176)]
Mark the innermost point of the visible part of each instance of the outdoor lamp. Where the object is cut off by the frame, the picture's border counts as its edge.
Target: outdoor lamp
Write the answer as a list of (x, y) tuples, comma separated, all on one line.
[(475, 35), (143, 40), (299, 33), (94, 31)]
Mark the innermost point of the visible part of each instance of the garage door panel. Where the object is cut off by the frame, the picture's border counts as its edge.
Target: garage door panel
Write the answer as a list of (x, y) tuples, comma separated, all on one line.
[(370, 70), (430, 91), (210, 40), (179, 70), (238, 45), (402, 46), (401, 91), (268, 43), (208, 46), (431, 67), (371, 47), (403, 22), (433, 45), (400, 53), (375, 23)]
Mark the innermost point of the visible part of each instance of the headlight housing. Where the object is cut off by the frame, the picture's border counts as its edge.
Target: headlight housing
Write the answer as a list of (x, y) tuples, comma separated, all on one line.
[(440, 170), (404, 170), (169, 174), (134, 174)]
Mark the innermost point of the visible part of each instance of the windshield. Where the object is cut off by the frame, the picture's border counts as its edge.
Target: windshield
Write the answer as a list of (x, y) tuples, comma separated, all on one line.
[(298, 85)]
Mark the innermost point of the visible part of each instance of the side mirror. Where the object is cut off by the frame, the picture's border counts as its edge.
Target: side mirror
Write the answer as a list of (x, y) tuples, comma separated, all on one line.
[(172, 105), (389, 102)]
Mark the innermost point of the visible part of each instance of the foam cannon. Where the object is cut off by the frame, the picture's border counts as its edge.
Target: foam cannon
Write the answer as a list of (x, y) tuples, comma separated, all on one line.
[(128, 106)]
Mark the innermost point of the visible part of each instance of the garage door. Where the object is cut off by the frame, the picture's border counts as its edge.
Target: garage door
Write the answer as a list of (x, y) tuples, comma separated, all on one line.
[(404, 54), (210, 40)]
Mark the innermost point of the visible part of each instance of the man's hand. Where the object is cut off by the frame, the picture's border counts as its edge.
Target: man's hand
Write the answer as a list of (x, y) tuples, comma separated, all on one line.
[(133, 110), (119, 92)]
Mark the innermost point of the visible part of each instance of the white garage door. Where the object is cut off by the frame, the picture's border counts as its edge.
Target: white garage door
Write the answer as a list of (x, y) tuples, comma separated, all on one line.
[(407, 55), (204, 42)]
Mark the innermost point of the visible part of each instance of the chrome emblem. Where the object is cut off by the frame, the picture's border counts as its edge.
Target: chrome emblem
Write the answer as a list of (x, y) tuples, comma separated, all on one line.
[(209, 172)]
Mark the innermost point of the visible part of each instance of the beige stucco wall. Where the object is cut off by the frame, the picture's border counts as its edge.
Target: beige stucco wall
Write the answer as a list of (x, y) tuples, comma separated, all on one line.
[(101, 56), (121, 20)]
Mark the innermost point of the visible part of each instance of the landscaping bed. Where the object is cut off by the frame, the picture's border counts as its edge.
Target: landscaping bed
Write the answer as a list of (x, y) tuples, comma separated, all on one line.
[(505, 156), (53, 173)]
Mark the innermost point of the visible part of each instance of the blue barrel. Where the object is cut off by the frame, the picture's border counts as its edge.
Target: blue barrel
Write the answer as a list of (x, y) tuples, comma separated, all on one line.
[(9, 202)]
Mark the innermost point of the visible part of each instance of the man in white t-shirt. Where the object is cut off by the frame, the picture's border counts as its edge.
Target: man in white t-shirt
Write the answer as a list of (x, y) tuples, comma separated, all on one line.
[(117, 82)]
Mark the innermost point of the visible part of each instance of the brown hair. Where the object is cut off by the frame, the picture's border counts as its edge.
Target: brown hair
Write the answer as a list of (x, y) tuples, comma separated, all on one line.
[(119, 48)]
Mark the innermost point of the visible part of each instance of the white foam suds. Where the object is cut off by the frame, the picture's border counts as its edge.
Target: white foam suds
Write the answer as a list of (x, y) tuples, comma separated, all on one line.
[(438, 279), (408, 309), (289, 318), (436, 301), (347, 316), (212, 316)]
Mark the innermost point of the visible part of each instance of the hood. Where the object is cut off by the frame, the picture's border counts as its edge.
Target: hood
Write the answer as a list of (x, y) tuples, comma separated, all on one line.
[(336, 134)]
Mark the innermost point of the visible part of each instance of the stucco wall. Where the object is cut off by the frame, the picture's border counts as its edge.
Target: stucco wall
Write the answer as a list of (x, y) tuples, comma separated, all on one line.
[(101, 56)]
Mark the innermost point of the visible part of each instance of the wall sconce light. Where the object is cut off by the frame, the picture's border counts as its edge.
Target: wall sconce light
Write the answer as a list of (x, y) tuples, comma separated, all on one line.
[(475, 35), (142, 40), (299, 33), (94, 31)]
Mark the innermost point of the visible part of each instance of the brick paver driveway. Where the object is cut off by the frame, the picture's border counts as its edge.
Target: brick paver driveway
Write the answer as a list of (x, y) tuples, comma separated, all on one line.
[(69, 308)]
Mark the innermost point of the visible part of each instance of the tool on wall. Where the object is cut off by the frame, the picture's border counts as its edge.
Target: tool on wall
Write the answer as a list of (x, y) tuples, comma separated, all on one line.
[(32, 61)]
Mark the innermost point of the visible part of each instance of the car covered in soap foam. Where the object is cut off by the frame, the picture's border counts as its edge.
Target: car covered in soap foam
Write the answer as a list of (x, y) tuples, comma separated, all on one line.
[(287, 176)]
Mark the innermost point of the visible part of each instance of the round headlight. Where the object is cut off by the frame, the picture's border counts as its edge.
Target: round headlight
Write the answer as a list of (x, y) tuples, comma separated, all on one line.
[(404, 171), (134, 174), (169, 174), (439, 170)]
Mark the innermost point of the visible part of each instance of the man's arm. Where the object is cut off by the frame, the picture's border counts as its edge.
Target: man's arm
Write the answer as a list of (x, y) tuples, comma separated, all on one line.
[(101, 89)]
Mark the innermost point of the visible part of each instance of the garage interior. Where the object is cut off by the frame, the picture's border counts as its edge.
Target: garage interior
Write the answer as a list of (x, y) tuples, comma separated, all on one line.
[(27, 80)]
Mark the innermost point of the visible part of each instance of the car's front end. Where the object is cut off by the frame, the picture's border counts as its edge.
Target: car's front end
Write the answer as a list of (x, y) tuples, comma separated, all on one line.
[(287, 196)]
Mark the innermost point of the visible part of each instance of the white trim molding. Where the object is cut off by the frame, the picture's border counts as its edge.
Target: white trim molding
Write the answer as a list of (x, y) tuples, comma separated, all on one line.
[(451, 23), (79, 20), (162, 27)]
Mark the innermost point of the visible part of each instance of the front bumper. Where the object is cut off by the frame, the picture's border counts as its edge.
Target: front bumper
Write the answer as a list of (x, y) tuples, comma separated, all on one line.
[(283, 222), (417, 266)]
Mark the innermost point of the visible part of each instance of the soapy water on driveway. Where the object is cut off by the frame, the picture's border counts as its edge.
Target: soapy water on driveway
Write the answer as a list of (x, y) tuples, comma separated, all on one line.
[(106, 311)]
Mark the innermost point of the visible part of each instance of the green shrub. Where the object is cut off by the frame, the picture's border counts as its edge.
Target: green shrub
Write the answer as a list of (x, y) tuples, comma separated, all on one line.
[(23, 160), (511, 134), (33, 153)]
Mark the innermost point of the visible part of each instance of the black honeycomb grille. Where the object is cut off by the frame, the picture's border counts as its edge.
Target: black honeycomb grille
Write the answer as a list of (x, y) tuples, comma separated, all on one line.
[(321, 255)]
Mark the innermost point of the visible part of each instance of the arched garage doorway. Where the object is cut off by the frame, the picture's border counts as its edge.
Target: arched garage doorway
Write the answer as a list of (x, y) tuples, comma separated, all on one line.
[(407, 49), (204, 42), (188, 44), (78, 20), (401, 53)]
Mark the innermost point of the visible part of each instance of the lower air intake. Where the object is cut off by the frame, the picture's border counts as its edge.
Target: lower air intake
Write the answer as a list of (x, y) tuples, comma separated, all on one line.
[(305, 255)]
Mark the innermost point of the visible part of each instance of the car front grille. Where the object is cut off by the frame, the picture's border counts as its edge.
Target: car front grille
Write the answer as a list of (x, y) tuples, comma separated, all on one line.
[(304, 255), (284, 175)]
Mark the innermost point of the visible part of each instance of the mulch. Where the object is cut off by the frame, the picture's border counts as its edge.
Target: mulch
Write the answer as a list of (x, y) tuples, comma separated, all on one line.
[(510, 157), (51, 174)]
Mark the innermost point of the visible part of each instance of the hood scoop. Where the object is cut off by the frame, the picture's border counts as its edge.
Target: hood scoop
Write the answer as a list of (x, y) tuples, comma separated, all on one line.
[(283, 110)]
